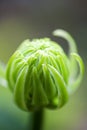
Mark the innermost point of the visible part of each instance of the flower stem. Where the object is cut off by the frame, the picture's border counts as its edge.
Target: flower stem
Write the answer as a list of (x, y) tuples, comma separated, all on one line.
[(36, 123)]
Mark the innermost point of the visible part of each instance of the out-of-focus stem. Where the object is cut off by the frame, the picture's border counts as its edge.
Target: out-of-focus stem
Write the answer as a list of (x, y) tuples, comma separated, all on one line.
[(3, 81)]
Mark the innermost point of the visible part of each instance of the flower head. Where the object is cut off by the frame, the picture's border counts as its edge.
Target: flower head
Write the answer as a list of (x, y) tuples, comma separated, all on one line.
[(40, 74)]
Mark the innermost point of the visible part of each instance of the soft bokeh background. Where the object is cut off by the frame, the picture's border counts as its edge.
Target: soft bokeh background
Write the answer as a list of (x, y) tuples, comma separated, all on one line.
[(22, 19)]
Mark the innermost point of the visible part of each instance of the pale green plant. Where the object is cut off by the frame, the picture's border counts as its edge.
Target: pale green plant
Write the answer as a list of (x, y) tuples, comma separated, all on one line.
[(40, 74)]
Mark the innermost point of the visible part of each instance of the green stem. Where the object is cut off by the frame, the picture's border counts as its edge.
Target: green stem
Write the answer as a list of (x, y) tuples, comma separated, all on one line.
[(36, 122)]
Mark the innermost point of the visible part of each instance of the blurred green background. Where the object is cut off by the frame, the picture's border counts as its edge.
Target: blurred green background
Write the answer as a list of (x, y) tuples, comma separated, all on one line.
[(23, 19)]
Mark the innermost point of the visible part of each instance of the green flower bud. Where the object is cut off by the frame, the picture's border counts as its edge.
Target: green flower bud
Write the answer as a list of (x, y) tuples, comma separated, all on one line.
[(40, 74)]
